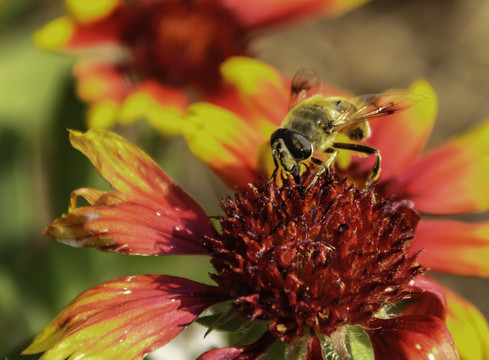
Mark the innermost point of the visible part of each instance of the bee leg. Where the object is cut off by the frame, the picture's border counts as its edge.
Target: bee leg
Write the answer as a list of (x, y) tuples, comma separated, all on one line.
[(364, 149), (274, 174), (324, 166)]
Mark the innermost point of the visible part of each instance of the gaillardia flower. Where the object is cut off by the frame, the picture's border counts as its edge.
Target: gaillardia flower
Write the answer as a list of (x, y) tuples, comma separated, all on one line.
[(450, 179), (327, 272), (161, 48)]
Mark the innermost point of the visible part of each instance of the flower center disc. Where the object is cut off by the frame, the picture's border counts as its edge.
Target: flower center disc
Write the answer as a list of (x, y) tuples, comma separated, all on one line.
[(323, 257), (182, 42)]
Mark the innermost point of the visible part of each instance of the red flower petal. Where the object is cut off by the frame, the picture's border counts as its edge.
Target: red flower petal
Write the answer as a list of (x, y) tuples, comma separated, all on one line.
[(452, 178), (149, 214), (453, 246), (260, 13), (314, 349), (246, 352), (98, 81), (415, 125), (412, 338), (124, 318), (430, 298)]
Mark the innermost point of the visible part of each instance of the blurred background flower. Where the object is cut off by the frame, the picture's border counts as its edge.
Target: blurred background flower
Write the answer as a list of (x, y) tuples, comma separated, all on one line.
[(147, 59), (381, 45)]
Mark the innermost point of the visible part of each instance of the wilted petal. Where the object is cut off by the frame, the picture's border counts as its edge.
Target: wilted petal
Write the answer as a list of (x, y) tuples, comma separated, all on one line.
[(114, 224), (452, 178), (468, 327), (147, 214), (245, 352), (414, 125), (261, 13), (454, 246), (412, 338), (124, 318)]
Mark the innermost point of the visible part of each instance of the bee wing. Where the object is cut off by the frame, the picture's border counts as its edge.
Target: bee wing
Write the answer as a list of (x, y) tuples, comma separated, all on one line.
[(305, 83), (373, 106)]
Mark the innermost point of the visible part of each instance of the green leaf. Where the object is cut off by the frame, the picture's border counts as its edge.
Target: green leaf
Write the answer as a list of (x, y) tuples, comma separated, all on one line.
[(358, 344)]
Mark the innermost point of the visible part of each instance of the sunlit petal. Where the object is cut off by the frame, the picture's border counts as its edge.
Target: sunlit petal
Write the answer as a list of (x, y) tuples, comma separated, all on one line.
[(114, 224), (146, 214), (231, 130), (469, 328), (414, 125), (452, 178), (412, 337), (124, 318), (454, 246), (224, 142)]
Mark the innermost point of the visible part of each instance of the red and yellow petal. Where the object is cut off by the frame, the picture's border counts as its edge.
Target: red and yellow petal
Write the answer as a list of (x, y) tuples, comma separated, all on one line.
[(98, 80), (104, 86), (124, 318), (91, 10), (162, 106), (259, 92), (147, 214), (271, 12), (66, 34), (411, 338), (224, 142), (452, 178), (468, 327), (230, 132), (453, 246), (401, 137), (114, 224)]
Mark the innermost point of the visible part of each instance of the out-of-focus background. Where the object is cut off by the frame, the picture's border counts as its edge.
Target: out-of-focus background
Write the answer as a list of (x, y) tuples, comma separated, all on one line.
[(384, 44)]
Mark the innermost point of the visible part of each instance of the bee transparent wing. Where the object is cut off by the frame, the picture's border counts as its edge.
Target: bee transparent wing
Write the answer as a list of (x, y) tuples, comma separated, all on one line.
[(373, 106), (305, 83)]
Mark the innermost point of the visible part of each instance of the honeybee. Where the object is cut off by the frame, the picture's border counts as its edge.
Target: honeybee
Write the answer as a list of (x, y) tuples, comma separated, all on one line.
[(314, 121)]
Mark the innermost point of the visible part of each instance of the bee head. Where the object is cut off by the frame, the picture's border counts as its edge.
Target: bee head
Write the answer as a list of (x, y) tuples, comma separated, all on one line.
[(290, 148)]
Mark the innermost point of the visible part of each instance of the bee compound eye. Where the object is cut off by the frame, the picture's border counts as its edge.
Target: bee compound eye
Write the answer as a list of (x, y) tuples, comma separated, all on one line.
[(299, 146)]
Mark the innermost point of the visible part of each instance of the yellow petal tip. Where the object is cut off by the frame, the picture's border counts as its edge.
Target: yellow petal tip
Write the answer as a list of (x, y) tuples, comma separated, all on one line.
[(90, 10), (102, 115), (246, 73), (54, 35)]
